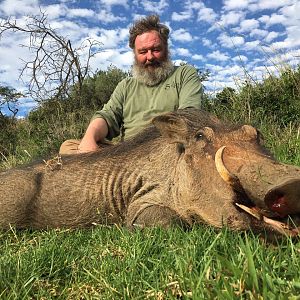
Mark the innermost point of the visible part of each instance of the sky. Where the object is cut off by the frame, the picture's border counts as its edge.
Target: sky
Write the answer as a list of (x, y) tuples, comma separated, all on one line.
[(230, 38)]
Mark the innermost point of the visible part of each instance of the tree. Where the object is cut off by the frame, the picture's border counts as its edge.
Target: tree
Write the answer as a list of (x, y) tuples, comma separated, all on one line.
[(226, 95), (9, 98), (56, 64)]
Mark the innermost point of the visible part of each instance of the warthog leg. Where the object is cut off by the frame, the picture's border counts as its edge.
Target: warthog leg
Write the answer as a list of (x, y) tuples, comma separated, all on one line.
[(149, 214)]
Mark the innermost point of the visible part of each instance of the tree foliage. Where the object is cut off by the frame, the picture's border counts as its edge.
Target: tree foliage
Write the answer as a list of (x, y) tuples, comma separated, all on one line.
[(276, 98), (9, 98), (226, 95)]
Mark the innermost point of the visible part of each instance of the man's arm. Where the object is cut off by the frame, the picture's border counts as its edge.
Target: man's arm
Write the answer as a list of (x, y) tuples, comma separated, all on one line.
[(105, 123), (191, 92), (96, 132)]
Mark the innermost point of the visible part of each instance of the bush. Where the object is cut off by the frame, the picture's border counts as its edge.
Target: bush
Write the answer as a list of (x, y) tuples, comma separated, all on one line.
[(8, 135), (276, 99)]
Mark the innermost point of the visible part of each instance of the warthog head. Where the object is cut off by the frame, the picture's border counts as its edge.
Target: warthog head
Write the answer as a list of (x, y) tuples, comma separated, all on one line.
[(224, 176)]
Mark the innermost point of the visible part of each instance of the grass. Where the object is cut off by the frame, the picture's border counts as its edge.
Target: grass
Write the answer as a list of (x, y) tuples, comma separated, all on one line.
[(114, 263)]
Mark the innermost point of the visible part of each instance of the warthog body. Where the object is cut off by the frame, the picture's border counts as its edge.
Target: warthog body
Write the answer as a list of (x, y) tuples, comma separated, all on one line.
[(166, 174)]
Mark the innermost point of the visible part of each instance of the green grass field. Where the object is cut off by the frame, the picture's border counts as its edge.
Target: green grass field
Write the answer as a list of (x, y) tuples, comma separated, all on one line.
[(114, 263)]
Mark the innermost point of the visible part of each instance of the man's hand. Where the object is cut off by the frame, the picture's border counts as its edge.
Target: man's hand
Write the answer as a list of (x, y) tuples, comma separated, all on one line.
[(87, 145), (95, 133)]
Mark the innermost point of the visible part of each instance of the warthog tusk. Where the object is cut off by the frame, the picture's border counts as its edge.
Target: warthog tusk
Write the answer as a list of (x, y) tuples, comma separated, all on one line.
[(281, 227), (228, 177), (276, 225), (252, 211)]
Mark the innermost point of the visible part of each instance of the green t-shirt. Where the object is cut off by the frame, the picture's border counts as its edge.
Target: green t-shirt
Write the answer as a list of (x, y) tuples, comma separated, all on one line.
[(134, 104)]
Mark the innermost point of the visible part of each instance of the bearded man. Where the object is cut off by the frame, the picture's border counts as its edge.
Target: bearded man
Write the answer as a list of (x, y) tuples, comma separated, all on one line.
[(156, 86)]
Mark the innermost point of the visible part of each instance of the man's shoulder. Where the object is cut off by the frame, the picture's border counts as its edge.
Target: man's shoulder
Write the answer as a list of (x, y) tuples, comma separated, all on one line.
[(126, 83), (183, 71), (185, 68)]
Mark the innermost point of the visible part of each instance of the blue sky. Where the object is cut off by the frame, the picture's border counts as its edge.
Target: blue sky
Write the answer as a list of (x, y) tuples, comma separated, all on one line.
[(230, 38)]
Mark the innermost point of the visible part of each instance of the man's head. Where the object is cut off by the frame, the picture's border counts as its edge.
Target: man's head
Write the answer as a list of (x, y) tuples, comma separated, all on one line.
[(149, 41)]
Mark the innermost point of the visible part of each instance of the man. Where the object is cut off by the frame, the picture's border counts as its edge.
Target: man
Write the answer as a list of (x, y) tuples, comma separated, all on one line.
[(156, 87)]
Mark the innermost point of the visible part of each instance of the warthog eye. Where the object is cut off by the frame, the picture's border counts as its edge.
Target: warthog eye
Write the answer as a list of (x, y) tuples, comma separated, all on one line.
[(199, 136)]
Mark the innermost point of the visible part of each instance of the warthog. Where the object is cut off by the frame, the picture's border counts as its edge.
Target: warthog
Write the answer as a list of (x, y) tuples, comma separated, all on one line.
[(186, 167)]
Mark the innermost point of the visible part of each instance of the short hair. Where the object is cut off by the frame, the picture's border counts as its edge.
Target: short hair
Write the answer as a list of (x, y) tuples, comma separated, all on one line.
[(147, 24)]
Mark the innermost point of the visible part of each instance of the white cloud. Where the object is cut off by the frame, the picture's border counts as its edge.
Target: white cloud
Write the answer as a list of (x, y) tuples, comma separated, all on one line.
[(271, 36), (70, 29), (231, 18), (217, 55), (292, 41), (81, 12), (178, 62), (240, 58), (269, 4), (273, 19), (291, 12), (182, 52), (231, 71), (259, 33), (207, 14), (230, 41), (108, 17), (214, 68), (110, 3), (248, 25), (17, 7), (112, 38), (181, 16), (198, 57), (27, 102), (235, 4), (154, 7), (181, 35), (115, 57), (206, 42), (253, 45)]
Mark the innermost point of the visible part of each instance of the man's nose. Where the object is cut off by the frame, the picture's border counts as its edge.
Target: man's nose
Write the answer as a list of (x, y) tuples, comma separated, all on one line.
[(150, 55)]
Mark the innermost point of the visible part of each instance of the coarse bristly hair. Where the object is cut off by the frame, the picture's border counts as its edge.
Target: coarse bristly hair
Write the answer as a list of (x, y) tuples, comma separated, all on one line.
[(147, 24)]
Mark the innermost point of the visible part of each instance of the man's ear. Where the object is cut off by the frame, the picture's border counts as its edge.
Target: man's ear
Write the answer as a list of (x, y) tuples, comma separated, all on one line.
[(172, 127)]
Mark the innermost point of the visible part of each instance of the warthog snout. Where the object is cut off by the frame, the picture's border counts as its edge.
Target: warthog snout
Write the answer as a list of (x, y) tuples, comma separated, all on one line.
[(276, 206), (284, 198)]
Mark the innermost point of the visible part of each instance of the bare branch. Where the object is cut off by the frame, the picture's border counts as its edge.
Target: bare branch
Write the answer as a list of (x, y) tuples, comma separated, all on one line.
[(56, 65)]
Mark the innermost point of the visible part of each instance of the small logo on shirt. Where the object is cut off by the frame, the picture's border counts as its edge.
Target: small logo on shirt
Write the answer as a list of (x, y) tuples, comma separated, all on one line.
[(175, 85)]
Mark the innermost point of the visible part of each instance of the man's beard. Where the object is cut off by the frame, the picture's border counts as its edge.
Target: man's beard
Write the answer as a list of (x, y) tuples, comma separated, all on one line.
[(154, 73)]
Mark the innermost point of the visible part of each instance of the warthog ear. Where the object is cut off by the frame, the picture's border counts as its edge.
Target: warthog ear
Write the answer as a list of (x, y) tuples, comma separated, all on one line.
[(246, 133), (172, 127)]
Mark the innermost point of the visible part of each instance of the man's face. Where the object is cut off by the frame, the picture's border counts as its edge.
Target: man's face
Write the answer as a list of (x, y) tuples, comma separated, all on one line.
[(149, 50), (151, 59)]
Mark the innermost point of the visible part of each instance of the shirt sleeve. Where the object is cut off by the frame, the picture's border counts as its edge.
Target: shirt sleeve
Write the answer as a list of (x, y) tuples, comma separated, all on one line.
[(112, 111), (191, 92)]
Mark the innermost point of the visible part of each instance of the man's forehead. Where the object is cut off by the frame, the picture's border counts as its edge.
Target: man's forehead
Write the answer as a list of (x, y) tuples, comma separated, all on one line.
[(148, 39)]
